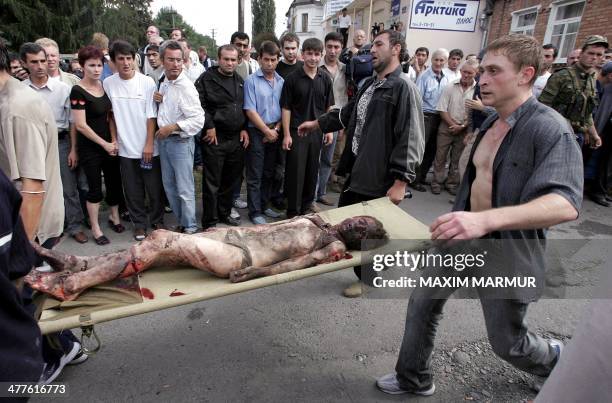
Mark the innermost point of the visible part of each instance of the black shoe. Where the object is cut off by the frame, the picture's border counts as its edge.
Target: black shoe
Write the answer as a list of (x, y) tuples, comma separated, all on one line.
[(418, 186), (230, 221), (608, 198), (599, 199)]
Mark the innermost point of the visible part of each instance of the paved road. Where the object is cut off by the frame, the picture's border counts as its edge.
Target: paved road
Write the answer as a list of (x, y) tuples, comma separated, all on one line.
[(299, 342)]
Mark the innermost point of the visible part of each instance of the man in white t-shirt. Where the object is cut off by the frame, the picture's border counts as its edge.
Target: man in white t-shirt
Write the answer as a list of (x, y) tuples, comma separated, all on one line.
[(549, 54), (134, 113), (344, 23)]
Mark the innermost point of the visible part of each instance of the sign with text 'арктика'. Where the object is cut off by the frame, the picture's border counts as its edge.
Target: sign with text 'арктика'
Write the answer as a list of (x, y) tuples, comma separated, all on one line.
[(445, 15)]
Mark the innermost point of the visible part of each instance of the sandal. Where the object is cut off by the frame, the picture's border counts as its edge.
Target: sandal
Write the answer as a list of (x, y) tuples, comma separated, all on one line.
[(118, 228), (102, 240)]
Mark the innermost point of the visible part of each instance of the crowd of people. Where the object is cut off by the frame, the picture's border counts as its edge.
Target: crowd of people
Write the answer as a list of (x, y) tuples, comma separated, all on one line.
[(131, 126)]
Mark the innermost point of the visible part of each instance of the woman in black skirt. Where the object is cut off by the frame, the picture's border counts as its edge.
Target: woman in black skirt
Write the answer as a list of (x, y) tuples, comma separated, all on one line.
[(97, 142)]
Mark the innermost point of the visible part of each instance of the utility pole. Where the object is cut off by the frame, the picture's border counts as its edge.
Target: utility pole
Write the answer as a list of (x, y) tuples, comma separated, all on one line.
[(241, 15), (212, 33)]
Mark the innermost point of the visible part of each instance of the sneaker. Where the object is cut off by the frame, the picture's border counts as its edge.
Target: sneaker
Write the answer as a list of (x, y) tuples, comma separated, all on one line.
[(452, 190), (140, 234), (190, 231), (558, 346), (167, 209), (230, 221), (235, 214), (389, 384), (239, 203), (258, 220), (52, 370), (271, 213), (312, 209), (353, 291), (436, 188), (79, 358)]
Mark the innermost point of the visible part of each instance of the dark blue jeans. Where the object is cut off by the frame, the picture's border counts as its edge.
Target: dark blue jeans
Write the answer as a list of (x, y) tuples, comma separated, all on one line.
[(261, 161), (506, 328)]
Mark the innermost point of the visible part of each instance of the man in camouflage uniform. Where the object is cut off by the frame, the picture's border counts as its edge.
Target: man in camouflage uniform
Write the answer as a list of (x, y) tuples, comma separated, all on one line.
[(571, 91)]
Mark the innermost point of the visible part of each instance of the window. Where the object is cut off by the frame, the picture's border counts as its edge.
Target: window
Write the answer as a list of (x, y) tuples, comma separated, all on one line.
[(563, 26), (304, 22), (523, 21)]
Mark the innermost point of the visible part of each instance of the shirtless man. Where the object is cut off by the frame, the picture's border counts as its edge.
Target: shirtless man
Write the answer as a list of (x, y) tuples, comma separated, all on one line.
[(238, 253), (524, 175)]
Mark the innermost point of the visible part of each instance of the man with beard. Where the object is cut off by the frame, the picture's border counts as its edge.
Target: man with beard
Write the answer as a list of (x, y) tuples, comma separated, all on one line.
[(384, 126)]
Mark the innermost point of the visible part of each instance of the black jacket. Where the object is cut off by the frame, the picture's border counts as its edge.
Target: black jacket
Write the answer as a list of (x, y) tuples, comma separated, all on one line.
[(392, 139), (223, 111)]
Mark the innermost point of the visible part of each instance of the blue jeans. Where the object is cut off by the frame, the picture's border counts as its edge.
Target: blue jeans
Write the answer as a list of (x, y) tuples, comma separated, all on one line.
[(325, 166), (260, 168), (176, 156)]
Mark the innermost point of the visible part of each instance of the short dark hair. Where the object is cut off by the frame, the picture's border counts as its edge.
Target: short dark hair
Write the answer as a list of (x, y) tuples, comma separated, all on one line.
[(553, 47), (30, 48), (344, 9), (269, 48), (456, 52), (395, 38), (5, 63), (289, 37), (313, 44), (13, 56), (153, 47), (121, 47), (334, 36), (422, 49), (239, 35), (227, 47), (172, 45), (90, 52)]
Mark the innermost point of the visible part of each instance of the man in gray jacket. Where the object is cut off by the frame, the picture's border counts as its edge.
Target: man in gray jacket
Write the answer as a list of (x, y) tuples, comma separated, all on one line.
[(384, 123)]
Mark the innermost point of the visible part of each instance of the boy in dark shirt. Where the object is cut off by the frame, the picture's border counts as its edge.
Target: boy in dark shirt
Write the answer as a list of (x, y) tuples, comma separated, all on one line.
[(307, 94)]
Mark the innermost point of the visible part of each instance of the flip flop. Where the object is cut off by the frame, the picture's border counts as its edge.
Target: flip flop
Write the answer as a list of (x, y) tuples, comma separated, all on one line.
[(102, 240), (118, 228)]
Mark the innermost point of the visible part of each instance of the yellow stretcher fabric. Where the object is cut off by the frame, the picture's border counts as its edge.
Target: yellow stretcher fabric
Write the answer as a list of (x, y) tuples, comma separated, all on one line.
[(172, 286)]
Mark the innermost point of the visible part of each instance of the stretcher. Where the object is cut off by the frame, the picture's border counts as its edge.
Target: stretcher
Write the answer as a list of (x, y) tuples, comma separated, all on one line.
[(167, 287)]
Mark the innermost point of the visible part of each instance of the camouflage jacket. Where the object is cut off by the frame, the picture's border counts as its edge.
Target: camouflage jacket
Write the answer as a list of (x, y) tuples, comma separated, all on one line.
[(571, 92)]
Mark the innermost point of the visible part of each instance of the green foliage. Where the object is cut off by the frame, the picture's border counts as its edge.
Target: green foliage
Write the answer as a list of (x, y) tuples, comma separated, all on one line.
[(264, 16), (168, 18), (71, 23)]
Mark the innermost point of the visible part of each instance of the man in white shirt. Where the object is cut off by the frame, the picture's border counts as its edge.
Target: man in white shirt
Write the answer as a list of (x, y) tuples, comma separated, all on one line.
[(134, 113), (344, 23), (57, 94), (53, 62), (549, 54), (179, 118), (452, 67)]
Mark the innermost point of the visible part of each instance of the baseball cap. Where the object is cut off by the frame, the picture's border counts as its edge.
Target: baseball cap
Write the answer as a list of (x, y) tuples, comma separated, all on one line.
[(596, 40)]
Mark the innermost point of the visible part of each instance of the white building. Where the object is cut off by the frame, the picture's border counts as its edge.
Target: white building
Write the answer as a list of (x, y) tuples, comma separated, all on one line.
[(333, 7), (304, 18)]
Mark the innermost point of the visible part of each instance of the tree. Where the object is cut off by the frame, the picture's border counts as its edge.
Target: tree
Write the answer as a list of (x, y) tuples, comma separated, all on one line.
[(264, 16), (71, 23), (168, 18)]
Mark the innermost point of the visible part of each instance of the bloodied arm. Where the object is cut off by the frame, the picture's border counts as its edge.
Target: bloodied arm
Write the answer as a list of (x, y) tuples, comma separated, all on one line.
[(329, 253)]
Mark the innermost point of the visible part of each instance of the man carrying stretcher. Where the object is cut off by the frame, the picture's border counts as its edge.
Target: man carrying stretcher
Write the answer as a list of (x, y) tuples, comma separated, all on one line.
[(239, 253)]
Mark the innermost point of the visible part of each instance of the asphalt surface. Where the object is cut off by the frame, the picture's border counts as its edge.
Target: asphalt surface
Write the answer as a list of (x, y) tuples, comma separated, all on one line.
[(303, 341)]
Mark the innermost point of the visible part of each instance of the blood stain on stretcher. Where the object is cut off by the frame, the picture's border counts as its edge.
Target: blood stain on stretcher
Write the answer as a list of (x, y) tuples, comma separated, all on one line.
[(145, 292), (176, 293)]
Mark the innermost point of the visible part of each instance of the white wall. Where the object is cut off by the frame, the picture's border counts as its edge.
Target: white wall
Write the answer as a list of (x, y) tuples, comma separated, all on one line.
[(315, 20)]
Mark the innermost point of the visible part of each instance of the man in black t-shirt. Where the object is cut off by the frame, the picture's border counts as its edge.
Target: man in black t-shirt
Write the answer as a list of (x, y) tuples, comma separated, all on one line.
[(307, 94), (289, 48)]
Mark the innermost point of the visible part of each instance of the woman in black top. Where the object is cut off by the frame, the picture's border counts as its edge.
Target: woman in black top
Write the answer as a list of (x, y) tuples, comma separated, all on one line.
[(97, 143)]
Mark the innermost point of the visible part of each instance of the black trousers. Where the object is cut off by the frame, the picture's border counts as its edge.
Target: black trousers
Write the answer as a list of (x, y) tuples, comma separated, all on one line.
[(94, 163), (598, 185), (301, 172), (432, 121), (139, 184), (223, 164)]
